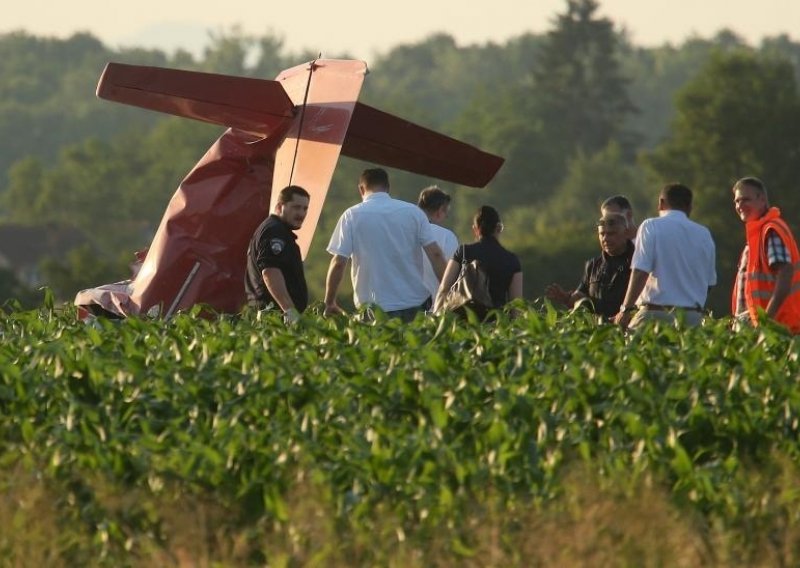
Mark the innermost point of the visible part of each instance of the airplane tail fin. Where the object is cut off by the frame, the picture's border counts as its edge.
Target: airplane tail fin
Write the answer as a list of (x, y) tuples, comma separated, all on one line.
[(256, 106), (326, 91)]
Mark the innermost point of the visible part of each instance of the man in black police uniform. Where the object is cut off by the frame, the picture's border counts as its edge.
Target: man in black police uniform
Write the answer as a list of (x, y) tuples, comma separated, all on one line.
[(274, 266), (605, 277)]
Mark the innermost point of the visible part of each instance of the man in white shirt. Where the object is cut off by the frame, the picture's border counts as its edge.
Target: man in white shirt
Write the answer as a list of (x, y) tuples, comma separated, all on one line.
[(435, 203), (673, 265), (385, 238)]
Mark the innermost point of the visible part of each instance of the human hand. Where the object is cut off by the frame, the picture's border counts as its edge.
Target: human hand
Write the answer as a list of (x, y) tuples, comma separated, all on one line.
[(291, 316), (555, 293), (622, 319), (332, 309)]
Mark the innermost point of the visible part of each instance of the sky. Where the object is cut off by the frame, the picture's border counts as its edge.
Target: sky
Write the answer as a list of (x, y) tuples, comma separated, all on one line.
[(364, 28)]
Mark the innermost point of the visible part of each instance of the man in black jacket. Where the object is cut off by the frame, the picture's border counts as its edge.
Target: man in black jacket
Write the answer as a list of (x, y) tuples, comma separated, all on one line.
[(605, 277), (275, 273)]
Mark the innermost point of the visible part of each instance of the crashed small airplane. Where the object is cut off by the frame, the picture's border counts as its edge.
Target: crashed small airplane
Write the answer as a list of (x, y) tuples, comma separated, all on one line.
[(287, 131)]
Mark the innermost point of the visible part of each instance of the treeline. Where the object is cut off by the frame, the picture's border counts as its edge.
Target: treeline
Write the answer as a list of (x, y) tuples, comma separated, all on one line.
[(579, 113)]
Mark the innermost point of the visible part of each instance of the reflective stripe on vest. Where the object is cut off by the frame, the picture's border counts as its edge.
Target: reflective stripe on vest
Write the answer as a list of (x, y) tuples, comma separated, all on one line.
[(761, 294), (768, 276)]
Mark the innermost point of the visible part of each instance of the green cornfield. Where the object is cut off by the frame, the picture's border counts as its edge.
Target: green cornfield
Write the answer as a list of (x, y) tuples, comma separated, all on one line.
[(543, 440)]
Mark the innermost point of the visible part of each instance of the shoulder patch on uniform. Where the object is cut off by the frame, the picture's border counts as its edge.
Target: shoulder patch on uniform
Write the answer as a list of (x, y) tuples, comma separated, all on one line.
[(276, 246)]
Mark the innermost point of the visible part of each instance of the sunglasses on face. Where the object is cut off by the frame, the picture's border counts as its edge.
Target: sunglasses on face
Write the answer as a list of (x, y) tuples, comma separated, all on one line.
[(609, 223)]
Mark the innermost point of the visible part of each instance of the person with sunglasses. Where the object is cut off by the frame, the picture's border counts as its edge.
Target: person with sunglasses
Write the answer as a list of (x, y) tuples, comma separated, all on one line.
[(605, 277)]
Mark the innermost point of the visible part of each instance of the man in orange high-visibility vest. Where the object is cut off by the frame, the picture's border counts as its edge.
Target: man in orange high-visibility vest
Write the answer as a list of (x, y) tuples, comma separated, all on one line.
[(768, 278)]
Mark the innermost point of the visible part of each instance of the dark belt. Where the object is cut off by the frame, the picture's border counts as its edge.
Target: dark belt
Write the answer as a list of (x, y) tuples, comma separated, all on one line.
[(660, 308)]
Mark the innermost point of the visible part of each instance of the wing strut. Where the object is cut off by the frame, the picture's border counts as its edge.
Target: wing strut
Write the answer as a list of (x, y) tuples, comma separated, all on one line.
[(311, 67)]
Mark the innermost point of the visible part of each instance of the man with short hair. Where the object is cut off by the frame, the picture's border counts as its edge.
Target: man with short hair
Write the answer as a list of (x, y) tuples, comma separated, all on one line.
[(385, 238), (621, 205), (768, 278), (435, 203), (605, 277), (275, 273), (673, 265)]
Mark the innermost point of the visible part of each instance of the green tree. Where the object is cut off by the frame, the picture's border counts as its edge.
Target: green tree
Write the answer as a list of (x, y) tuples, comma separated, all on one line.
[(83, 267), (657, 73), (534, 164), (581, 93), (114, 192), (270, 60), (228, 51), (592, 179), (433, 81), (572, 99), (27, 178), (783, 47)]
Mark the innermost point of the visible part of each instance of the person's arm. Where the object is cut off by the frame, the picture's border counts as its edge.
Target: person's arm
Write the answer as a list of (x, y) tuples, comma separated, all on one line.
[(276, 284), (575, 296), (635, 286), (555, 293), (436, 256), (332, 283), (515, 287), (449, 278), (784, 271)]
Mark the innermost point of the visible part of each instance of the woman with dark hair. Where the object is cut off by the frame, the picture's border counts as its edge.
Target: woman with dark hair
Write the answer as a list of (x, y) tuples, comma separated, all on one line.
[(501, 266)]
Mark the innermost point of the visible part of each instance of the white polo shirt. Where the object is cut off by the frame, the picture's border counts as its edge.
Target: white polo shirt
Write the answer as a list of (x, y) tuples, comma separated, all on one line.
[(384, 238), (448, 242), (679, 255)]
